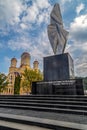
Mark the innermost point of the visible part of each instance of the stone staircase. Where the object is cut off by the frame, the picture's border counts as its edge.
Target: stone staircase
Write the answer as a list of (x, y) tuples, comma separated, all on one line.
[(64, 104)]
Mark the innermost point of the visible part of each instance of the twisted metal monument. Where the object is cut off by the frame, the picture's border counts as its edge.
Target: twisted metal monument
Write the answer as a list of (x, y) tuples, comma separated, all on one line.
[(56, 33), (59, 68)]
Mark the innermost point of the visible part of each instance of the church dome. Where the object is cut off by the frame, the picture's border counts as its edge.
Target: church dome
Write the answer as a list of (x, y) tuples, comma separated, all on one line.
[(25, 59), (25, 53), (14, 59), (13, 62), (35, 64)]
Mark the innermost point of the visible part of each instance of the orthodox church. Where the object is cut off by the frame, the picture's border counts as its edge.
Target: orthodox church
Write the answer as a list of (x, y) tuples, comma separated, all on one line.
[(14, 71)]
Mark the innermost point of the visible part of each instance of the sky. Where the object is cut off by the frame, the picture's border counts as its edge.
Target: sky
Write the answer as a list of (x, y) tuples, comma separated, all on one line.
[(23, 27)]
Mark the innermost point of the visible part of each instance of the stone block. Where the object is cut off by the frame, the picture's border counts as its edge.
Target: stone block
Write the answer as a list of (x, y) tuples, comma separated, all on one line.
[(66, 87), (58, 67)]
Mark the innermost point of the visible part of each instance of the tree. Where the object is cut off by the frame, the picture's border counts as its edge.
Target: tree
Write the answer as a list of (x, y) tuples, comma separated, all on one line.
[(30, 76), (17, 84), (3, 82)]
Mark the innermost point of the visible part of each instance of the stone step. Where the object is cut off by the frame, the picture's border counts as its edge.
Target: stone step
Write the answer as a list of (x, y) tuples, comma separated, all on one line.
[(48, 109), (46, 105), (45, 123), (43, 96), (6, 125), (45, 101), (47, 98)]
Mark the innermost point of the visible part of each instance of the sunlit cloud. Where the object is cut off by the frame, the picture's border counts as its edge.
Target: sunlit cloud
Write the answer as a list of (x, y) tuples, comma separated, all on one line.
[(79, 8)]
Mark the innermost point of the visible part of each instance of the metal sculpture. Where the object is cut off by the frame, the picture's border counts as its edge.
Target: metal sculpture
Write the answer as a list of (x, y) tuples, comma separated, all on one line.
[(56, 33)]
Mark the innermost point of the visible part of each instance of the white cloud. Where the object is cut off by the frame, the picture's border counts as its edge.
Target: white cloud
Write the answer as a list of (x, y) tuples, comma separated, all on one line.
[(79, 8), (32, 13), (37, 12), (41, 46), (19, 43), (42, 3), (78, 48), (10, 11), (24, 26), (78, 53), (78, 29), (81, 65)]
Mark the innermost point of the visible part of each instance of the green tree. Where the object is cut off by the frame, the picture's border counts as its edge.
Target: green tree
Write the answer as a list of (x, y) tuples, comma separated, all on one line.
[(30, 76), (17, 84), (3, 82)]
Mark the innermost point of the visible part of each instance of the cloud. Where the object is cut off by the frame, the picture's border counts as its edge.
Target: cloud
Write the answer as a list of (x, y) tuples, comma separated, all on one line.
[(43, 46), (17, 16), (81, 65), (23, 26), (79, 8), (42, 4), (78, 44), (78, 28), (19, 43), (10, 11), (31, 12), (37, 12)]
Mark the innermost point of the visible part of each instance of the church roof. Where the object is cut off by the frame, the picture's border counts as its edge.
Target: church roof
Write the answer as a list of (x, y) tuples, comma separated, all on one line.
[(36, 61), (25, 53), (13, 59)]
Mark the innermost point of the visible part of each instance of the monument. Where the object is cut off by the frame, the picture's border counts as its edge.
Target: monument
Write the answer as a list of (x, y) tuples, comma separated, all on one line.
[(59, 68)]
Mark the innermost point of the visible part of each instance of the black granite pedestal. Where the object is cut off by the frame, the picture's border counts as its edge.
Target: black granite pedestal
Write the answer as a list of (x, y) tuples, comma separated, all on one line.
[(64, 87), (58, 67), (58, 77)]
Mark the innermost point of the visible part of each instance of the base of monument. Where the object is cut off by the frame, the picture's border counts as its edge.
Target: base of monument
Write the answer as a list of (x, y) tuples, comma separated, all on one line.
[(66, 87), (58, 67)]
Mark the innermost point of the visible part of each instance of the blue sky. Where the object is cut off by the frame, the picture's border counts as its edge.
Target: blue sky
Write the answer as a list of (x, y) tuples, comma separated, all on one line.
[(23, 27)]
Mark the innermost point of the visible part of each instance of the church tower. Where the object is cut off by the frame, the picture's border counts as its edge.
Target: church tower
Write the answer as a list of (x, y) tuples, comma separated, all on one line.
[(35, 65), (13, 65)]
